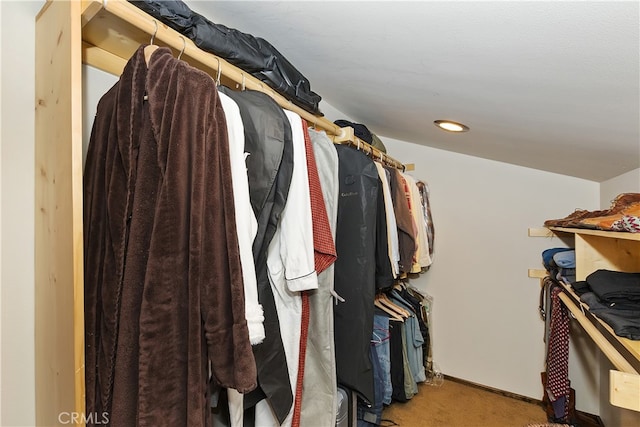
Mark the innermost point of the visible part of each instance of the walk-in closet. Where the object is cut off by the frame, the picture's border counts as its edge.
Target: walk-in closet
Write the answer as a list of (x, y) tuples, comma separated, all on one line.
[(318, 214)]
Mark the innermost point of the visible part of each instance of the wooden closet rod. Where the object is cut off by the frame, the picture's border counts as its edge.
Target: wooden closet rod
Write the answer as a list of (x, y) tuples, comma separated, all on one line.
[(113, 30)]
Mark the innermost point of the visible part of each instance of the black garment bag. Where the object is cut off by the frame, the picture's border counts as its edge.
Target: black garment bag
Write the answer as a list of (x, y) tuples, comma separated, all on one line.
[(252, 54)]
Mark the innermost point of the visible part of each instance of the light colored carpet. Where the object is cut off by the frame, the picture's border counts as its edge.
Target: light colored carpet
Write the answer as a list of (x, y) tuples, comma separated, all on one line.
[(459, 405)]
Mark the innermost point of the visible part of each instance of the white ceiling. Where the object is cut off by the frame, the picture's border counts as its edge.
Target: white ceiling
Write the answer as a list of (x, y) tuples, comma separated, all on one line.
[(547, 85)]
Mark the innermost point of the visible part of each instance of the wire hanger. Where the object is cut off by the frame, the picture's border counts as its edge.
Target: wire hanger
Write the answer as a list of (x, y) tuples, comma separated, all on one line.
[(219, 73), (184, 46), (155, 31), (148, 50), (242, 87)]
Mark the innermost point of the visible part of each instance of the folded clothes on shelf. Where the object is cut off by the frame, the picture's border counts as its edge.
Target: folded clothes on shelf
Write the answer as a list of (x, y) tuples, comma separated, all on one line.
[(613, 296), (560, 263)]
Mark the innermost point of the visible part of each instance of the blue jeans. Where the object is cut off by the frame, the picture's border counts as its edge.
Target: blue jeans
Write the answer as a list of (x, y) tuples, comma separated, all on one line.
[(380, 360), (380, 340)]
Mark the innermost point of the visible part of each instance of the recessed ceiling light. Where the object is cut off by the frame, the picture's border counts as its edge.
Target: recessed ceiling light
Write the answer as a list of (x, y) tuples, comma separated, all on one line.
[(450, 126)]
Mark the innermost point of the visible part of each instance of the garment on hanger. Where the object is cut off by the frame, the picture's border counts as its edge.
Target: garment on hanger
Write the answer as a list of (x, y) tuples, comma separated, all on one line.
[(396, 362), (403, 184), (414, 338), (324, 255), (404, 220), (319, 398), (269, 143), (357, 273), (557, 386), (421, 258), (410, 386), (383, 269), (392, 227), (426, 209), (380, 339), (246, 223), (418, 303), (371, 415), (164, 301), (290, 263), (246, 228)]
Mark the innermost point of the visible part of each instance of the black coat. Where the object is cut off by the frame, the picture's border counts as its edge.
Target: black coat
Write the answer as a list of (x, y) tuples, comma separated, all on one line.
[(362, 267)]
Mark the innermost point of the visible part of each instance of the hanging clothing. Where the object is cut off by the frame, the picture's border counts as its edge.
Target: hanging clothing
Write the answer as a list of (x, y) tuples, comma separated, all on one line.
[(324, 255), (426, 209), (410, 386), (269, 143), (557, 386), (361, 224), (290, 263), (413, 336), (392, 227), (396, 364), (422, 258), (370, 415), (418, 305), (163, 299), (323, 241), (246, 223), (246, 228), (319, 397), (404, 220)]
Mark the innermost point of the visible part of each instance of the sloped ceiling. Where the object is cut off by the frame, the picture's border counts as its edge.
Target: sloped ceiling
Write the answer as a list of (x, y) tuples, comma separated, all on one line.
[(548, 85)]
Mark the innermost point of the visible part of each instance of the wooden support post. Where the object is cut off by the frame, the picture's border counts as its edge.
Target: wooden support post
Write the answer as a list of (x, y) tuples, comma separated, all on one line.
[(59, 298)]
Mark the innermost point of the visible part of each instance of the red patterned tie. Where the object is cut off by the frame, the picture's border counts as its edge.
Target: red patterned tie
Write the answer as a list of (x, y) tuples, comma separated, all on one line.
[(558, 352), (324, 256)]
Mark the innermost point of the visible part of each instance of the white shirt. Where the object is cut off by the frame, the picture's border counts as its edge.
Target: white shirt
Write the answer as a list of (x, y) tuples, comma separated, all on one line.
[(246, 223), (392, 228), (246, 228)]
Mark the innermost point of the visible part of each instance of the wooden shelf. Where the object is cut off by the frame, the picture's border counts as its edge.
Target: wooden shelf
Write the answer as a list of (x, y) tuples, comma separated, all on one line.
[(623, 235), (609, 250)]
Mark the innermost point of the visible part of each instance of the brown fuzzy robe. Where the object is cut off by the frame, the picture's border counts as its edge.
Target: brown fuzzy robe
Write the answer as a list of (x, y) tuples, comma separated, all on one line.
[(164, 302)]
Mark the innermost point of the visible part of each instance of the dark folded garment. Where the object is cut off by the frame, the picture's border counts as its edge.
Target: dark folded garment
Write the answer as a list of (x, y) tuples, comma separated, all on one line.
[(359, 130), (254, 55), (625, 323), (615, 286), (580, 287)]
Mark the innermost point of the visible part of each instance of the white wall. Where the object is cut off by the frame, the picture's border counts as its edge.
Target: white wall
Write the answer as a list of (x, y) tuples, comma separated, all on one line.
[(0, 217), (626, 183), (18, 75)]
